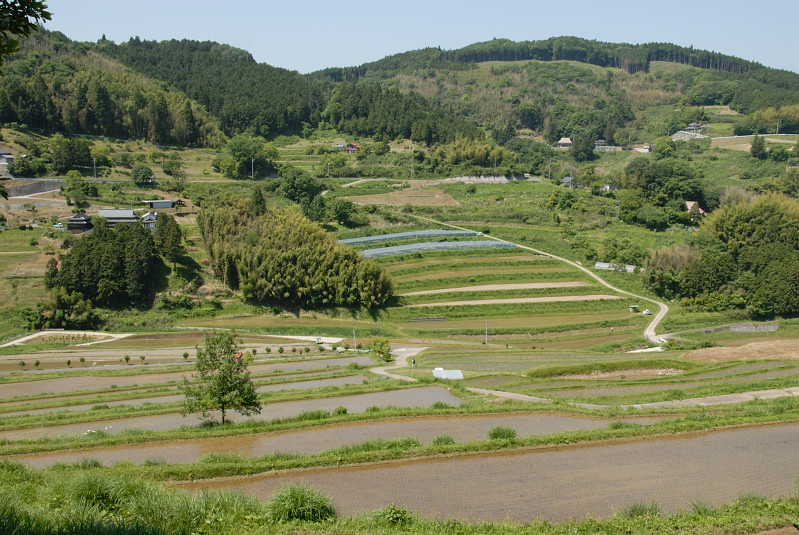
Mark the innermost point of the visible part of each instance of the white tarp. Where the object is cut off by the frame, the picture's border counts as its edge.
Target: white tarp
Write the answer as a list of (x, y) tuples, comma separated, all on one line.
[(441, 373)]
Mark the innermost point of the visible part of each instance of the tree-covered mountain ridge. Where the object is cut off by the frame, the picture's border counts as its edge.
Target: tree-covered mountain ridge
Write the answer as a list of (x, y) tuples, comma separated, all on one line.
[(631, 58), (554, 85)]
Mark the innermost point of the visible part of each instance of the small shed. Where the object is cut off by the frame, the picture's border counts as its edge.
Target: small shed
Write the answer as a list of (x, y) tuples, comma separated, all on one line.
[(564, 143), (157, 203), (5, 159), (633, 309)]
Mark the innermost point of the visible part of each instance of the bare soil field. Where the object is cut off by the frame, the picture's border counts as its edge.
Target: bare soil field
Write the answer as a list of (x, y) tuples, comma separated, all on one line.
[(497, 287), (777, 349), (551, 299), (414, 197), (559, 483)]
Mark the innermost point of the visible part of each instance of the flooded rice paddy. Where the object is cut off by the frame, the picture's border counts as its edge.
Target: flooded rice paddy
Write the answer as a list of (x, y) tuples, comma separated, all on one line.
[(560, 483), (318, 439), (409, 397)]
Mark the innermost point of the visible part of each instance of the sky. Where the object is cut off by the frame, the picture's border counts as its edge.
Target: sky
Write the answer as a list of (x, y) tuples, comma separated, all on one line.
[(310, 35)]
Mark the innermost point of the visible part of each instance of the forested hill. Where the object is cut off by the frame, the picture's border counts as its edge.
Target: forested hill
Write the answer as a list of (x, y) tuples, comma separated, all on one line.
[(58, 85), (631, 58), (228, 82), (744, 85)]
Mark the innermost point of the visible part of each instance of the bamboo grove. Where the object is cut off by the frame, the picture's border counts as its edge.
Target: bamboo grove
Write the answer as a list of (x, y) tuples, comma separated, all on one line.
[(282, 258)]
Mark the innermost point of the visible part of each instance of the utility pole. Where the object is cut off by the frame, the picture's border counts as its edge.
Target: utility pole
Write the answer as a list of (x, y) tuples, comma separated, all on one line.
[(252, 168), (94, 165), (354, 341)]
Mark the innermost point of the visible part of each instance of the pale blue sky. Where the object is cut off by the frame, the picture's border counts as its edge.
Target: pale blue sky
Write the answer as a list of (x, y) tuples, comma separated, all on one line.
[(310, 35)]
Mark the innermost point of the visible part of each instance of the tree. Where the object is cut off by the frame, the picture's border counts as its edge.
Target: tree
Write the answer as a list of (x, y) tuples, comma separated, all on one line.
[(381, 348), (19, 19), (168, 238), (141, 174), (582, 150), (222, 381), (758, 149)]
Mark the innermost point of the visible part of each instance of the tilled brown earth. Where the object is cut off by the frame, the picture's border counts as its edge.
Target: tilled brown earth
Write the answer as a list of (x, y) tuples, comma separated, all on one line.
[(556, 484), (319, 439), (411, 397)]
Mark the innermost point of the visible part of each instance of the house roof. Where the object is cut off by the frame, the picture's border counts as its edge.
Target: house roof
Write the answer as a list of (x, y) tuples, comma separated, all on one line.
[(149, 216), (118, 214), (4, 152), (564, 141), (83, 216)]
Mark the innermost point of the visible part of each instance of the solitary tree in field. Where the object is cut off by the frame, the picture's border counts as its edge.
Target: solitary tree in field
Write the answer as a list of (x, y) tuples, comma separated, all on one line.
[(222, 381)]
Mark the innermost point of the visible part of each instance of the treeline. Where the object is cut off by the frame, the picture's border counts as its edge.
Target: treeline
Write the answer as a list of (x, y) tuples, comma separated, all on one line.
[(280, 258), (243, 94), (746, 257), (367, 109), (631, 58), (57, 85)]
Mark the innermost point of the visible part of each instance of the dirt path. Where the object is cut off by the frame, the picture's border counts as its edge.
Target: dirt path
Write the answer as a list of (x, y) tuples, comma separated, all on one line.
[(518, 300), (556, 484), (496, 287)]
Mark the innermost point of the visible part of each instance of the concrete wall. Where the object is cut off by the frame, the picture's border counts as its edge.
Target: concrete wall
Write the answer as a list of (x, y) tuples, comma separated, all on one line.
[(40, 186)]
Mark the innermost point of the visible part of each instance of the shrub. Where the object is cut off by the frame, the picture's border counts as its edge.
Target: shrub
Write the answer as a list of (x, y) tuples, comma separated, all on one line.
[(443, 440), (393, 515), (299, 502), (339, 411), (502, 432), (638, 509)]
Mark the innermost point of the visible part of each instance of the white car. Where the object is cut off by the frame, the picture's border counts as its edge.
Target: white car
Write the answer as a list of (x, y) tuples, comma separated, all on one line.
[(647, 312)]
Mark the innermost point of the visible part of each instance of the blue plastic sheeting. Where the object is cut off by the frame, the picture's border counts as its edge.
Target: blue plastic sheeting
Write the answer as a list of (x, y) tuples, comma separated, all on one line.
[(433, 246), (430, 233)]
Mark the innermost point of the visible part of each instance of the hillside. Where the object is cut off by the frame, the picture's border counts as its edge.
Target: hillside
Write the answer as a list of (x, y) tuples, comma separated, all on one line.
[(58, 85)]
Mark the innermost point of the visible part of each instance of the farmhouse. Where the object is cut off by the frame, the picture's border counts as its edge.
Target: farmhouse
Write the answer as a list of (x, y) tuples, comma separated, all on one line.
[(148, 220), (115, 217), (564, 143), (568, 181), (79, 223), (351, 148)]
